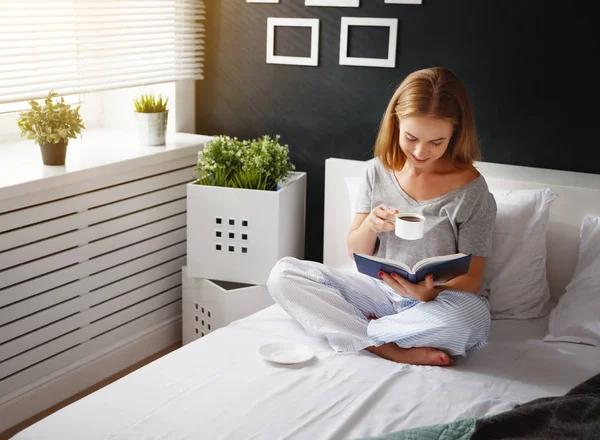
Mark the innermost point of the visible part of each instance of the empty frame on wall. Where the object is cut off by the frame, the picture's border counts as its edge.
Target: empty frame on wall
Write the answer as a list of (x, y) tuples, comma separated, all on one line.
[(333, 3), (404, 2), (347, 22), (313, 23)]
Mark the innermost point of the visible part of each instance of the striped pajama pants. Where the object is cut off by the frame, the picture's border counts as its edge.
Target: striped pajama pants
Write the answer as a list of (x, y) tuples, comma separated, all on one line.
[(336, 303)]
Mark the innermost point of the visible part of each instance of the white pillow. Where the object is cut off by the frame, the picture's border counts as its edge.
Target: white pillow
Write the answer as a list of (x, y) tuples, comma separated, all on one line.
[(576, 318), (352, 185), (516, 272)]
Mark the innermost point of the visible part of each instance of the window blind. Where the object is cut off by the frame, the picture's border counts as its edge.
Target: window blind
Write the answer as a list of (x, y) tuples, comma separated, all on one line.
[(79, 46)]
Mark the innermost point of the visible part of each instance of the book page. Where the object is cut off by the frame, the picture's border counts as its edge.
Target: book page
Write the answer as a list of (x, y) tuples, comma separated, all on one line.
[(426, 261), (398, 264)]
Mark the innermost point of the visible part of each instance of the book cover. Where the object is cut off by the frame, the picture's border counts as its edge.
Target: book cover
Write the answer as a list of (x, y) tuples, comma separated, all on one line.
[(443, 269)]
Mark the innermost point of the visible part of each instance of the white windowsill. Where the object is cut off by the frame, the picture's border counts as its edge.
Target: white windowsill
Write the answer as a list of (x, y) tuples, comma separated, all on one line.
[(97, 152)]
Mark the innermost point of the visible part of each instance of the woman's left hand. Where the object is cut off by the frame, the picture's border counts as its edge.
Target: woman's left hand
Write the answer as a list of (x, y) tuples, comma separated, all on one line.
[(423, 291)]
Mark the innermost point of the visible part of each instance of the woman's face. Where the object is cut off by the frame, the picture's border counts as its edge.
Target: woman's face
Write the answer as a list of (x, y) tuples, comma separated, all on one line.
[(424, 139)]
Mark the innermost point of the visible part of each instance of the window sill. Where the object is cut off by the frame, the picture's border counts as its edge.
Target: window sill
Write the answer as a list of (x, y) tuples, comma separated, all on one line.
[(98, 152)]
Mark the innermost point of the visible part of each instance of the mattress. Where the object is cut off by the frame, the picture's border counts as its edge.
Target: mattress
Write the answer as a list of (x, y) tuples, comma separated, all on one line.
[(219, 387)]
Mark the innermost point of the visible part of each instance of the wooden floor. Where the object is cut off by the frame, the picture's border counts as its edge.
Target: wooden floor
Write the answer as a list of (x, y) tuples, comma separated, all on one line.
[(15, 429)]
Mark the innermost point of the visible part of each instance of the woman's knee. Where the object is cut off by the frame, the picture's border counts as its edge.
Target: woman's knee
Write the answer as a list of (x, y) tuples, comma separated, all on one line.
[(465, 308), (282, 270), (281, 277)]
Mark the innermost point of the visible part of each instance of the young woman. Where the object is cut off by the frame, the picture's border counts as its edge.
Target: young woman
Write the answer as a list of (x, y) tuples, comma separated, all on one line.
[(423, 162)]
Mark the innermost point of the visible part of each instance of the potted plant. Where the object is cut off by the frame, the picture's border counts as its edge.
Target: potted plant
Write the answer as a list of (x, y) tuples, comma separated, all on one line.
[(151, 117), (245, 209), (51, 125)]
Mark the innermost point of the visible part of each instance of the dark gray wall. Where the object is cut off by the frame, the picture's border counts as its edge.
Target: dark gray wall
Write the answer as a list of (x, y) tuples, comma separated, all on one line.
[(526, 64)]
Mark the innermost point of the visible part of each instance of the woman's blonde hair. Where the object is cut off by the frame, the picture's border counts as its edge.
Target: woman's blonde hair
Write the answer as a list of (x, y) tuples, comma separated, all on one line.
[(435, 92)]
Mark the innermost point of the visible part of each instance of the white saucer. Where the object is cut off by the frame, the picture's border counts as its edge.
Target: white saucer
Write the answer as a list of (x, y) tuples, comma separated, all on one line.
[(286, 352)]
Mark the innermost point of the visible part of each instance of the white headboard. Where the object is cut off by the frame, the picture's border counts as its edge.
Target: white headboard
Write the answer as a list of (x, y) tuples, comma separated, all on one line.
[(578, 195)]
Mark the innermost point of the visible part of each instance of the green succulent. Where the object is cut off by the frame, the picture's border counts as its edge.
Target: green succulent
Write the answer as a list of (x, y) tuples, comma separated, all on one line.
[(148, 103), (51, 121)]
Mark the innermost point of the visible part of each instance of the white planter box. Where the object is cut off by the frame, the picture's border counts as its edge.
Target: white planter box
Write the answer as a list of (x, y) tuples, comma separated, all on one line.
[(208, 305), (239, 234)]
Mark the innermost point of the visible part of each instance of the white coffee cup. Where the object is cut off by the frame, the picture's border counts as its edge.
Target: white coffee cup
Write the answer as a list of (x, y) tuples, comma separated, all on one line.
[(410, 226)]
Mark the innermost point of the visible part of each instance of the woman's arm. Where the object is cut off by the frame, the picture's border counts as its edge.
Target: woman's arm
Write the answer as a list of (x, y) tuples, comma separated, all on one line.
[(469, 282), (364, 229)]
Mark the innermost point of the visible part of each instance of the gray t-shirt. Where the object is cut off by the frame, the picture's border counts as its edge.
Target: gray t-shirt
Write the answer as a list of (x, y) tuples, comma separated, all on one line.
[(461, 220)]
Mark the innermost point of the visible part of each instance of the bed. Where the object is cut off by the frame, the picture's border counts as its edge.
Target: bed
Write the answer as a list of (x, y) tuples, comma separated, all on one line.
[(218, 387)]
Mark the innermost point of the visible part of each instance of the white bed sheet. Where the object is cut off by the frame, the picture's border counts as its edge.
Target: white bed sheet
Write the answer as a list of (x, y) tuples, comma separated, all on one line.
[(218, 387)]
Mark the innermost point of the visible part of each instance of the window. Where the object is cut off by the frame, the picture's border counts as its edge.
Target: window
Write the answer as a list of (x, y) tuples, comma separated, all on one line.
[(109, 109), (12, 107), (98, 54), (82, 46)]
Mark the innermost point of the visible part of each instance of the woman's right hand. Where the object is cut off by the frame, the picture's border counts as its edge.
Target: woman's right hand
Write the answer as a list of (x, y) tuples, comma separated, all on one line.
[(365, 228), (382, 219)]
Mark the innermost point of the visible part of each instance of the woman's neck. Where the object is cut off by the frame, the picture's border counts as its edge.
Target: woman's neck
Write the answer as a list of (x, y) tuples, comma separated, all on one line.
[(440, 166)]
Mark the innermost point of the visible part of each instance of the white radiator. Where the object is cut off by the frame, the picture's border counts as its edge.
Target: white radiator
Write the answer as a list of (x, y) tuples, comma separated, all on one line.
[(85, 268)]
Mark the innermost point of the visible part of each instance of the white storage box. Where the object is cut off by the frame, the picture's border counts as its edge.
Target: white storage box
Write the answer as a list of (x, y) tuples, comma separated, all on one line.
[(210, 304), (239, 234)]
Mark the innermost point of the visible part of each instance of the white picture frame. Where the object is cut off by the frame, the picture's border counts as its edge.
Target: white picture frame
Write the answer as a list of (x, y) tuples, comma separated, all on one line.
[(389, 62), (404, 2), (313, 23), (333, 3)]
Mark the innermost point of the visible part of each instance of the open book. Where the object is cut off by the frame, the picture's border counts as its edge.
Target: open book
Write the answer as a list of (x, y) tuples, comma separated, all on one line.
[(443, 268)]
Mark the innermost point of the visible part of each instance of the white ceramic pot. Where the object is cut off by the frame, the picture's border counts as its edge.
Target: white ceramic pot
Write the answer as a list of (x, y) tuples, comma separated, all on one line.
[(152, 127)]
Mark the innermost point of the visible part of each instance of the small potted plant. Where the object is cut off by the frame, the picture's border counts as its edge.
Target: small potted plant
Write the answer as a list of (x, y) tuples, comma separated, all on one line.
[(245, 209), (151, 117), (51, 125)]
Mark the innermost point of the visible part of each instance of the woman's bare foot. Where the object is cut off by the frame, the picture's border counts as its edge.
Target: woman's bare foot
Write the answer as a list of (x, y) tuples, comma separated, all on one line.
[(413, 356)]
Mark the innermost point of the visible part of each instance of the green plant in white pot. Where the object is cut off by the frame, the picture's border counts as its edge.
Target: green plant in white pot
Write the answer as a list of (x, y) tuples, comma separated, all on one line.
[(261, 163), (51, 124), (245, 210), (151, 117)]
